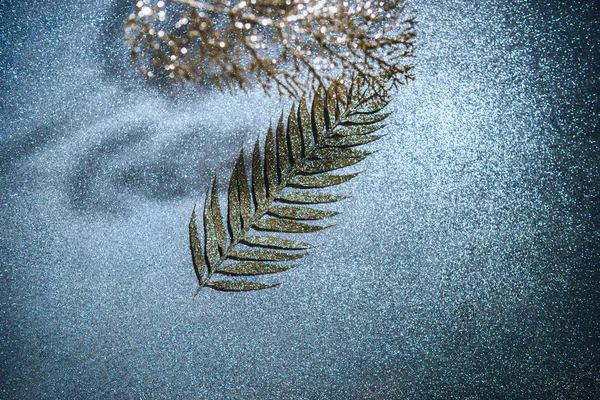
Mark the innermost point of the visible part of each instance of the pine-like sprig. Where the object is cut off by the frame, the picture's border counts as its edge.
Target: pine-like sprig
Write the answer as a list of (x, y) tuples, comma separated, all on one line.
[(299, 156), (291, 46)]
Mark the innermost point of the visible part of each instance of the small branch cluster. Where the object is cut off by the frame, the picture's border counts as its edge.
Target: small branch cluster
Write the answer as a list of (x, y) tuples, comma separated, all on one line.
[(291, 46)]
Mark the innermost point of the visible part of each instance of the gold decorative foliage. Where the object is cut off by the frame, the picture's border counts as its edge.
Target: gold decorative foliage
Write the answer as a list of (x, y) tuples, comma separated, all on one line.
[(286, 183), (291, 46)]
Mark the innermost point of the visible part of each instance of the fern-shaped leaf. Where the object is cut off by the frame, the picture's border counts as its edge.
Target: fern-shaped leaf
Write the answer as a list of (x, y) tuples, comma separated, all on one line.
[(301, 213), (319, 181), (274, 242), (309, 197), (299, 156), (250, 268), (285, 225), (238, 285), (264, 255)]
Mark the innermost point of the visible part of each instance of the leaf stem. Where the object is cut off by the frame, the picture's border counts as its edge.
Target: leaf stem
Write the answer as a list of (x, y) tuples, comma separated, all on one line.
[(187, 305)]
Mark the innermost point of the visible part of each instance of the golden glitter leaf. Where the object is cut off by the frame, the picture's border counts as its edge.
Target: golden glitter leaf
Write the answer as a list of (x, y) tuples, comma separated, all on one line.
[(305, 125), (249, 268), (300, 213), (211, 249), (341, 152), (258, 179), (283, 156), (318, 115), (264, 255), (270, 163), (238, 285), (234, 214), (351, 141), (298, 156), (196, 247), (293, 132), (217, 219), (353, 130), (243, 191), (274, 242), (319, 181), (328, 164), (364, 119), (286, 225)]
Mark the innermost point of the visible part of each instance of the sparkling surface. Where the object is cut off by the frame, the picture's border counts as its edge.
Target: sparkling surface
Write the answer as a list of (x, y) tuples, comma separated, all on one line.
[(464, 266)]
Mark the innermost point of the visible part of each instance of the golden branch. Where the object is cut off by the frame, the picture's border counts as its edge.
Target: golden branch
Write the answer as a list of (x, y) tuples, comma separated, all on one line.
[(291, 46)]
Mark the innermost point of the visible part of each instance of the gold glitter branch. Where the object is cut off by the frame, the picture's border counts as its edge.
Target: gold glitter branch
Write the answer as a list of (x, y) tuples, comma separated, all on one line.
[(292, 46), (285, 184)]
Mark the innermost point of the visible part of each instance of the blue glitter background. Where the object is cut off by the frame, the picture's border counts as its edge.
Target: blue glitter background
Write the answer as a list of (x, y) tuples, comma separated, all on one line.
[(465, 265)]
